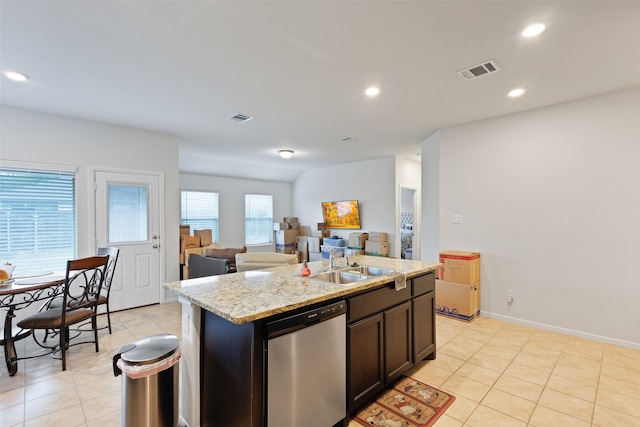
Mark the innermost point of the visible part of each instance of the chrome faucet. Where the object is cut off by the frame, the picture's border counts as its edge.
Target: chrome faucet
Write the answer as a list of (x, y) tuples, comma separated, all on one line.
[(335, 255)]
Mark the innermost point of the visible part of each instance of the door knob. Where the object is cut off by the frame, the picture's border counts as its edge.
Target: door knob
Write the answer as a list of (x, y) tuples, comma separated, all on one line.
[(156, 246)]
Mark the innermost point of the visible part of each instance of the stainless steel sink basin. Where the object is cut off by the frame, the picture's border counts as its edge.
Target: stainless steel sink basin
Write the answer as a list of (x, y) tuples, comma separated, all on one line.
[(339, 277), (368, 270)]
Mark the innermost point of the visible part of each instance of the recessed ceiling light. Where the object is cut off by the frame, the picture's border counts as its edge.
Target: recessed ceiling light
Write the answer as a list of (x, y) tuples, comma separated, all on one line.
[(516, 92), (533, 30), (16, 76), (372, 91), (285, 154)]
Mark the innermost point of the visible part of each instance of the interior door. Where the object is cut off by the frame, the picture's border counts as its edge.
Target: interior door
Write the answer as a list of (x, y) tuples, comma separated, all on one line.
[(128, 217)]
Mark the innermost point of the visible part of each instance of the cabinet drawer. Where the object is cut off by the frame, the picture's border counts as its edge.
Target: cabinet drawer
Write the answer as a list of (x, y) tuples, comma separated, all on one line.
[(376, 301), (423, 284)]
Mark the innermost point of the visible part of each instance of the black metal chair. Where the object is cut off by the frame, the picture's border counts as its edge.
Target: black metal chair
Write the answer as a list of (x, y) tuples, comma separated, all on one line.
[(80, 292), (103, 299)]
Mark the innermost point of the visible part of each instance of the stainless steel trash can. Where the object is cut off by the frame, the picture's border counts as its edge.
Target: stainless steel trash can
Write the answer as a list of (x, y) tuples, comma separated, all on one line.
[(150, 378)]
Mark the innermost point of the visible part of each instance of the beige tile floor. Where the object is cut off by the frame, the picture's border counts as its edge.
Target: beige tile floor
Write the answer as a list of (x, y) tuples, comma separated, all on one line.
[(501, 374)]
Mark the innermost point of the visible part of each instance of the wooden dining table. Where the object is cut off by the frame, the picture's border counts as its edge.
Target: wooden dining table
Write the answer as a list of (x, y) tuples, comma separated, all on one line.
[(18, 294)]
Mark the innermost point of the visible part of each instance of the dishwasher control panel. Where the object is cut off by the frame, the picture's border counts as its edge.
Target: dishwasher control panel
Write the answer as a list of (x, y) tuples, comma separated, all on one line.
[(305, 319)]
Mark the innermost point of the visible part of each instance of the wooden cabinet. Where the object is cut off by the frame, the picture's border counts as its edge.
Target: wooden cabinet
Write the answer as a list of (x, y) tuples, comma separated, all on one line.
[(423, 320), (365, 359), (398, 340), (388, 331)]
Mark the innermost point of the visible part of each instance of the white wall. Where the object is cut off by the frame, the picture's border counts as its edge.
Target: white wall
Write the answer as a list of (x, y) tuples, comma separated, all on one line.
[(370, 182), (550, 199), (231, 192), (28, 136)]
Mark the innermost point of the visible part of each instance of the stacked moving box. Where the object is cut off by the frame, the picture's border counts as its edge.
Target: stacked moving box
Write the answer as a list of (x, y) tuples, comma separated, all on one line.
[(458, 288)]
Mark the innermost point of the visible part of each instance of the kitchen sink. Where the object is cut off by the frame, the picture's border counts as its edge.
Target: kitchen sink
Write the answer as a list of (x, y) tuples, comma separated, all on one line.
[(340, 277), (368, 270)]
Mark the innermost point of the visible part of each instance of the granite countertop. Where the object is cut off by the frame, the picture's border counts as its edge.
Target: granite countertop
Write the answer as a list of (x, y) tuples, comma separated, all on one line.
[(258, 294)]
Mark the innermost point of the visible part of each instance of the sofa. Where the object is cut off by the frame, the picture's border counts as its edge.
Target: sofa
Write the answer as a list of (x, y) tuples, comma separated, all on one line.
[(203, 266), (260, 260)]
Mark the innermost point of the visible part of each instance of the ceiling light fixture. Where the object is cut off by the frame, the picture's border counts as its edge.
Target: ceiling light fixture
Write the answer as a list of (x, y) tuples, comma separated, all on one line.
[(516, 92), (286, 154), (372, 91), (533, 30), (16, 76)]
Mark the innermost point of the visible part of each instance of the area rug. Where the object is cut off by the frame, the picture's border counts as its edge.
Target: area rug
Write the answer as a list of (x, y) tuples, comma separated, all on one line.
[(409, 403)]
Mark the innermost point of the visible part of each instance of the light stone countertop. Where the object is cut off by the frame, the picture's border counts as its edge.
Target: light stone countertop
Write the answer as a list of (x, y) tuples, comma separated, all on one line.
[(258, 294)]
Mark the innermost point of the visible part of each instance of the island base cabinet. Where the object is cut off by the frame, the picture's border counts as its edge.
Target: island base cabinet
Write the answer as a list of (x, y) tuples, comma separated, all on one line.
[(424, 345), (366, 361), (397, 341), (231, 373)]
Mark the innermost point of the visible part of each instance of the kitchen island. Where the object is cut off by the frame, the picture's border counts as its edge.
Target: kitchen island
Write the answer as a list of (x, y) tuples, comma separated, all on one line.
[(387, 331)]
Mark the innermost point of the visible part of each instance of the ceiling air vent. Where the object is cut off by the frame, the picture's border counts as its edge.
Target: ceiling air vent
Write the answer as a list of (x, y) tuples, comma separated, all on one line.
[(350, 139), (479, 70), (241, 117)]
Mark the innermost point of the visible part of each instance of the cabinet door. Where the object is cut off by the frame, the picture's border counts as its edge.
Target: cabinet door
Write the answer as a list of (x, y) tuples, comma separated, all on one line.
[(366, 361), (424, 340), (398, 341)]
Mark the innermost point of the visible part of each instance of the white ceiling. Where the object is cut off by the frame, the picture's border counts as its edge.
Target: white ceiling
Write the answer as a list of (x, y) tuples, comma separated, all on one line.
[(300, 67)]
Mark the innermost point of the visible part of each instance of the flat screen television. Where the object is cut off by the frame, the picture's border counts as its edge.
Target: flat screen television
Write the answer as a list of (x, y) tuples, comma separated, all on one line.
[(342, 214)]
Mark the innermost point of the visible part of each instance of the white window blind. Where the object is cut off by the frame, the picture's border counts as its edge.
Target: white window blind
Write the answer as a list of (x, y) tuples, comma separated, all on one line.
[(258, 210), (37, 219), (200, 211)]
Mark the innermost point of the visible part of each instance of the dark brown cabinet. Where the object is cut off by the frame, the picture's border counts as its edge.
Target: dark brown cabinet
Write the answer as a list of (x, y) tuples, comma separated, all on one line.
[(366, 377), (398, 341), (388, 331), (423, 305)]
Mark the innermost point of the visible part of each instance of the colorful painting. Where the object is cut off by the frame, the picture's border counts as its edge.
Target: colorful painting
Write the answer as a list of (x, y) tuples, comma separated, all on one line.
[(344, 214)]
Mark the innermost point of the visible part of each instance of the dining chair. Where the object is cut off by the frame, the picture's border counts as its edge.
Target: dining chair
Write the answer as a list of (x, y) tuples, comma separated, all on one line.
[(80, 292), (103, 299)]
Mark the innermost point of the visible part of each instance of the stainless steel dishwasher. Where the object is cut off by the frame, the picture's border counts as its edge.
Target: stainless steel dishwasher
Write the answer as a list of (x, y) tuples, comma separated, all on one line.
[(306, 368)]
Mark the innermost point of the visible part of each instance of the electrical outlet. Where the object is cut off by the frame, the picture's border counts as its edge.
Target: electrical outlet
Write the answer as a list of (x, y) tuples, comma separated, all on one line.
[(510, 296), (456, 219)]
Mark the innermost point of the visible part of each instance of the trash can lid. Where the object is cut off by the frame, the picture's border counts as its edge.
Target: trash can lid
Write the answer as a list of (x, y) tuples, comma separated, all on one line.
[(151, 349)]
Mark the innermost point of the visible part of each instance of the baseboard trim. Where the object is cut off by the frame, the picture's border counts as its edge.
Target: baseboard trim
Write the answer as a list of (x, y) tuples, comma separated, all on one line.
[(560, 330)]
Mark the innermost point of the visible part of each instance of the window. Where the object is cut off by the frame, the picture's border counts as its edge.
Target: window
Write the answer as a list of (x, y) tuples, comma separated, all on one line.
[(258, 216), (128, 213), (37, 218), (200, 211)]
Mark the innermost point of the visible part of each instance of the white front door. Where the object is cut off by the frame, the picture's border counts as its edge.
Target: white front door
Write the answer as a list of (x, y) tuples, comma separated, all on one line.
[(128, 218)]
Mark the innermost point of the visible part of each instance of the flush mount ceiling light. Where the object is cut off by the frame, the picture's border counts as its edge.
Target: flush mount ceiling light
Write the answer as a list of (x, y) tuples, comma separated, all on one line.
[(533, 30), (516, 92), (16, 76), (372, 91), (285, 154)]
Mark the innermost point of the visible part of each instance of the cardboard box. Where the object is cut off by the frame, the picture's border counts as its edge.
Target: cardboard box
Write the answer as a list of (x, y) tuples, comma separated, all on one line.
[(206, 236), (286, 249), (357, 240), (314, 243), (185, 229), (376, 248), (286, 241), (294, 225), (377, 236), (188, 242), (458, 300), (277, 226), (352, 252), (321, 226), (285, 237), (290, 219), (460, 267), (305, 230), (303, 248)]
